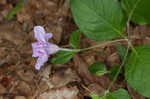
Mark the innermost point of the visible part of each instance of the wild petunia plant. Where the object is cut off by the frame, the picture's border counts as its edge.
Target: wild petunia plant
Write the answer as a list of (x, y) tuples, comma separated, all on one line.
[(43, 49), (104, 20)]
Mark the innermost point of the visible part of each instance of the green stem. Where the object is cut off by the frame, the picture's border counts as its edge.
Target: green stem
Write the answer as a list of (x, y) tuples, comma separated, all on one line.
[(92, 47), (129, 45), (114, 79), (100, 45), (133, 49)]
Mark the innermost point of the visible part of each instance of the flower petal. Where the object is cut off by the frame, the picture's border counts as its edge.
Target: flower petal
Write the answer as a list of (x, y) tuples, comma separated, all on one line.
[(48, 35), (39, 33), (35, 54), (38, 49), (52, 49), (40, 62)]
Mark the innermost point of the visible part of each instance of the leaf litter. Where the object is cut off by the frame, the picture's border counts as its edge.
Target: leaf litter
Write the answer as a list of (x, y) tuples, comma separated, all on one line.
[(19, 79)]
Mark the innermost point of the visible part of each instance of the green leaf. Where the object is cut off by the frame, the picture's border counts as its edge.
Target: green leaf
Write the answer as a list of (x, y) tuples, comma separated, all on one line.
[(99, 19), (94, 96), (97, 68), (137, 10), (62, 57), (75, 39), (16, 9), (119, 94), (137, 70), (113, 71), (122, 50)]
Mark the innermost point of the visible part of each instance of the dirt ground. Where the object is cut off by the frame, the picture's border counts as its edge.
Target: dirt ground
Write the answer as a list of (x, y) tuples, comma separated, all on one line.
[(18, 77)]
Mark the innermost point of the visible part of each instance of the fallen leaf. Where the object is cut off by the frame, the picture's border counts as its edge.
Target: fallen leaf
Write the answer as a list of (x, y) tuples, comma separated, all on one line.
[(82, 68), (63, 93)]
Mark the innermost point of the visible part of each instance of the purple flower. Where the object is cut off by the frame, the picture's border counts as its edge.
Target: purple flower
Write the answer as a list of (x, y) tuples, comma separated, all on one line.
[(42, 49)]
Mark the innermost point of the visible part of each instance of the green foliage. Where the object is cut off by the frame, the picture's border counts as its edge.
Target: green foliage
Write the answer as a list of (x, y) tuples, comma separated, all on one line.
[(105, 20), (62, 57), (113, 71), (16, 9), (137, 70), (75, 39), (94, 96), (99, 19), (97, 68), (138, 10), (119, 94)]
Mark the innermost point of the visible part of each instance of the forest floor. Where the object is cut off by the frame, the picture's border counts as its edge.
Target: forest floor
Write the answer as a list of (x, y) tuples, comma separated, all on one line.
[(18, 77)]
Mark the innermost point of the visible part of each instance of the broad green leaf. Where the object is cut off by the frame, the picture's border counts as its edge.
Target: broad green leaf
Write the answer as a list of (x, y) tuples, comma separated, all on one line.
[(137, 70), (119, 94), (62, 57), (75, 39), (97, 68), (16, 9), (113, 71), (122, 50), (99, 19), (137, 10), (94, 96)]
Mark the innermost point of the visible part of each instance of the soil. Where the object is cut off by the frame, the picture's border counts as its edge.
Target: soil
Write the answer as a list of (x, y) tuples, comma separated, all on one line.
[(18, 77)]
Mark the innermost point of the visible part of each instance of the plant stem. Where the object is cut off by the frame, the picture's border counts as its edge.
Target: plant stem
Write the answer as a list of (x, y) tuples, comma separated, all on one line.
[(104, 44), (114, 79), (129, 45), (133, 49), (71, 50), (92, 47)]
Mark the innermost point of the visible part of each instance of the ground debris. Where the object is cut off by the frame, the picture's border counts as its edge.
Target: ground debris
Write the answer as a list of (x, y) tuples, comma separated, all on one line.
[(62, 93), (20, 97), (18, 77), (64, 76)]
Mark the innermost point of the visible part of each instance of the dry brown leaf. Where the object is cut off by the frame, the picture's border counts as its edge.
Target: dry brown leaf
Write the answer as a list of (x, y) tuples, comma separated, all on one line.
[(57, 31), (3, 2), (27, 76), (8, 32), (63, 93), (20, 97), (113, 59), (2, 89), (24, 88), (89, 57), (82, 68), (96, 89), (64, 76)]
